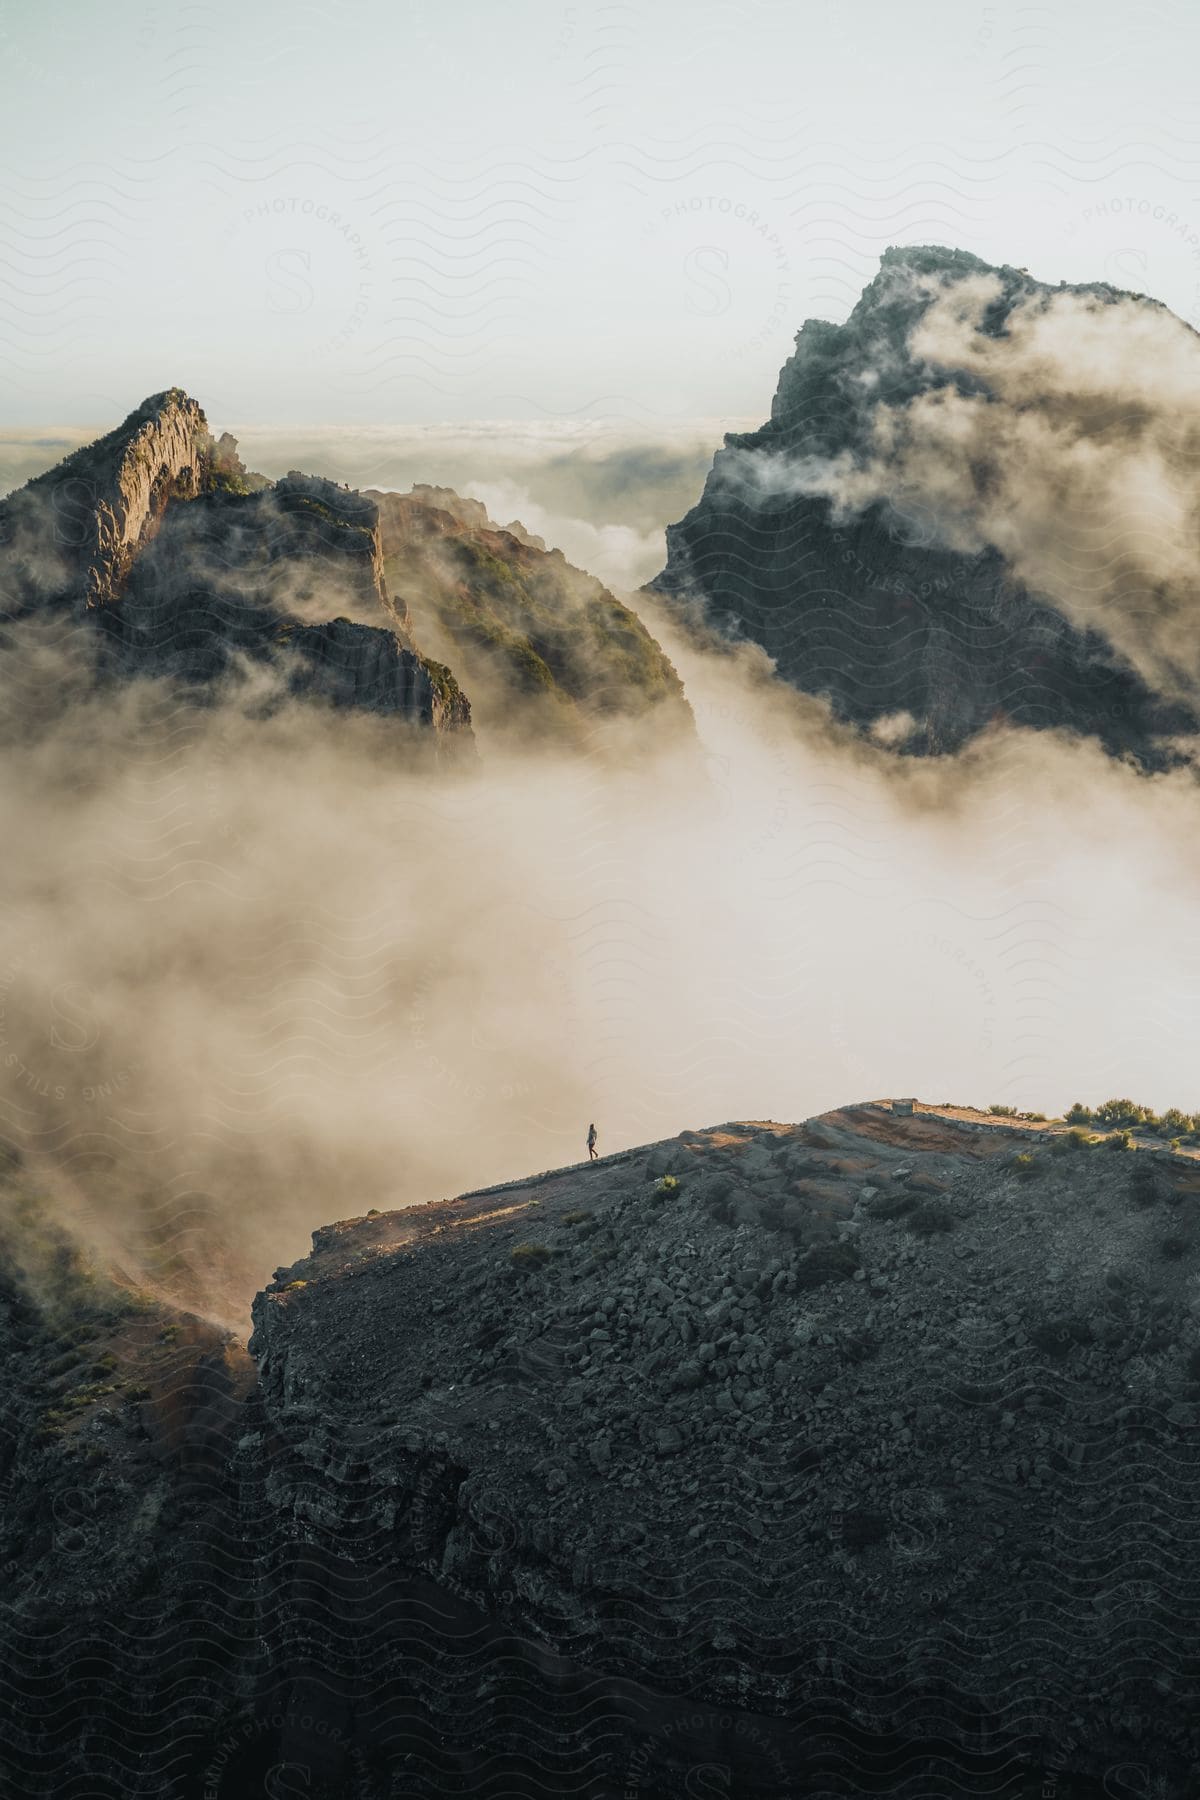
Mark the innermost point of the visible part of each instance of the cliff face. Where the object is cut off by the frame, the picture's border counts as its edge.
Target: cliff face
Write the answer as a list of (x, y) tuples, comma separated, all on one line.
[(543, 647), (855, 1431), (942, 524), (182, 564), (86, 520), (844, 1458)]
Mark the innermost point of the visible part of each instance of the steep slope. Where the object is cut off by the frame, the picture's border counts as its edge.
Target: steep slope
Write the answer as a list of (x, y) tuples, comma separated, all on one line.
[(972, 503), (543, 647), (175, 561), (74, 532), (854, 1457)]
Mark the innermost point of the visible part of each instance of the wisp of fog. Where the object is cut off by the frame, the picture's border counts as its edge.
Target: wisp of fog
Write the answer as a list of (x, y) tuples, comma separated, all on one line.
[(260, 973)]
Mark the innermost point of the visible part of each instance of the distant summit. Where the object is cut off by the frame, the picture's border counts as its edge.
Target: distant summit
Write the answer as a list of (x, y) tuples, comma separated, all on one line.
[(181, 564), (168, 558), (544, 648), (974, 503)]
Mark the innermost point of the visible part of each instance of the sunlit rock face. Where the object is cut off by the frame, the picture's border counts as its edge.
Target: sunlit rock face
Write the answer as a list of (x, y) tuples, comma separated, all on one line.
[(545, 650), (175, 561), (972, 504), (76, 530)]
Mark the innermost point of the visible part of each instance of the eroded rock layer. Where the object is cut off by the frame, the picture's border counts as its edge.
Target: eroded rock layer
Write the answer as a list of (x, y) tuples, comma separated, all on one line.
[(846, 1458)]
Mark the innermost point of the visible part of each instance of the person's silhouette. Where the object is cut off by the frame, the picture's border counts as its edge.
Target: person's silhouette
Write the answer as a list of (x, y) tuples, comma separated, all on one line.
[(592, 1142)]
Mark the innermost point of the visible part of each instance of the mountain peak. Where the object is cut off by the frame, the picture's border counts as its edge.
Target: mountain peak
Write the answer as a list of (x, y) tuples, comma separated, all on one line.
[(104, 502), (945, 523), (189, 566)]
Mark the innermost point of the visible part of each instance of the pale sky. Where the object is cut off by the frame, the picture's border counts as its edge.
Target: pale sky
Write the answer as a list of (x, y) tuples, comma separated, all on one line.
[(400, 211)]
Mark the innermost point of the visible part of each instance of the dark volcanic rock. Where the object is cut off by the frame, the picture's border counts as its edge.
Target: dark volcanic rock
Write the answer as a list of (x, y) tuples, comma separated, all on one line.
[(602, 1483), (865, 600), (176, 562), (349, 664)]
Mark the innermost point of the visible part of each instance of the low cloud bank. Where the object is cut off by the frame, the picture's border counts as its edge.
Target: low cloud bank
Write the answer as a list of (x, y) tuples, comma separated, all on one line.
[(259, 974)]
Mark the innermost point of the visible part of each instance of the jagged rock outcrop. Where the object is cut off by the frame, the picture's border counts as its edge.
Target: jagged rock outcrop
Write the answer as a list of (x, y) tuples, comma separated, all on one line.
[(180, 563), (857, 1457), (472, 513), (348, 664), (544, 648), (75, 531), (874, 538)]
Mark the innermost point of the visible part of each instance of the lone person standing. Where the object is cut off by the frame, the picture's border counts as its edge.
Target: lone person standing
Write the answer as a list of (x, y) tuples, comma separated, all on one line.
[(592, 1143)]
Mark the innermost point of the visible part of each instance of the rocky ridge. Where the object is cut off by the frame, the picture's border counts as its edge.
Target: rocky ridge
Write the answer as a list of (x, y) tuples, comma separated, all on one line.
[(851, 1457), (869, 609), (177, 562), (544, 648), (76, 530)]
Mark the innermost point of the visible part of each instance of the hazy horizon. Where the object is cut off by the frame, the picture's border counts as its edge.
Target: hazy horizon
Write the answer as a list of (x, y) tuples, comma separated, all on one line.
[(548, 259), (411, 214)]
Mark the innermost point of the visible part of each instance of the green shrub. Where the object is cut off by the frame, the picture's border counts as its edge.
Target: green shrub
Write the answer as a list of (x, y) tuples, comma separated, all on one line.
[(1025, 1165), (1176, 1124), (1124, 1113), (667, 1188), (1118, 1140), (527, 1256), (1078, 1114), (1003, 1112), (227, 481)]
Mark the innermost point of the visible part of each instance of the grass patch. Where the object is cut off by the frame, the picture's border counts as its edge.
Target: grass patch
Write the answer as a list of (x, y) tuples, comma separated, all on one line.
[(528, 1256), (1075, 1139), (667, 1188)]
